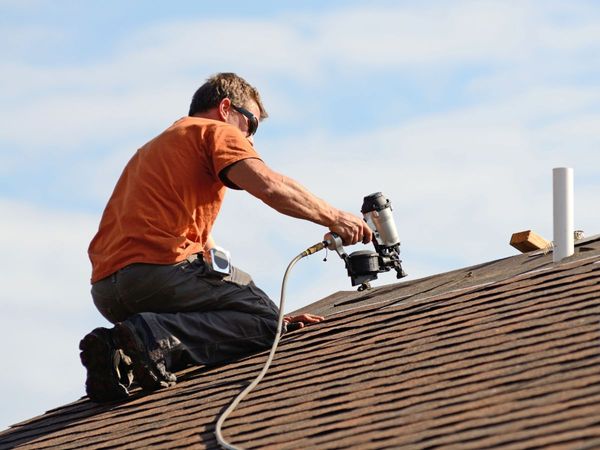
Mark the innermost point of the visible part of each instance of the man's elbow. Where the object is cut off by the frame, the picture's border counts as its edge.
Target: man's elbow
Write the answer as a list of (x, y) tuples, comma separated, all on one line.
[(258, 180)]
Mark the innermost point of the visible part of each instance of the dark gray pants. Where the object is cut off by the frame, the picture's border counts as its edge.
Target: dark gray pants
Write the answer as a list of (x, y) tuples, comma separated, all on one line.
[(187, 315)]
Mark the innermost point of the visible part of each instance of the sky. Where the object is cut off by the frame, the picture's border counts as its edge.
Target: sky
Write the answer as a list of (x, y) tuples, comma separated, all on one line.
[(456, 110)]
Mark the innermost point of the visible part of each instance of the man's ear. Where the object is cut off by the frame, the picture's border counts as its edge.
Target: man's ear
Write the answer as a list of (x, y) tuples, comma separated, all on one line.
[(224, 108)]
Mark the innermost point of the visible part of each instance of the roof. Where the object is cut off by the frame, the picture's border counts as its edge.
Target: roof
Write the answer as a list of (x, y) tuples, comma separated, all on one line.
[(500, 355)]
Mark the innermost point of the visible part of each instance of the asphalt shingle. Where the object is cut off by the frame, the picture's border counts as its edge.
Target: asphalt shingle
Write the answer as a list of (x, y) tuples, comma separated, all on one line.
[(501, 355)]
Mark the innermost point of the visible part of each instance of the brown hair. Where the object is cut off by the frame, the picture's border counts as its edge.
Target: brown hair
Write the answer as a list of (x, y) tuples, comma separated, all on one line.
[(225, 85)]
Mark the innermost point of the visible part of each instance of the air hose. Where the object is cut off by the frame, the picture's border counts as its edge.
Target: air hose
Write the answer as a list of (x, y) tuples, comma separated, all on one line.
[(222, 442)]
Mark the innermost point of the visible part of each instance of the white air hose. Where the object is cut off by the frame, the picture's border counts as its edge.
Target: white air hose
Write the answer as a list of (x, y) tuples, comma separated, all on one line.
[(309, 251)]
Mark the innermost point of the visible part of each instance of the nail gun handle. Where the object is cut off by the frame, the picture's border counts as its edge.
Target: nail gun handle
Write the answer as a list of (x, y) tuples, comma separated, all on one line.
[(334, 242)]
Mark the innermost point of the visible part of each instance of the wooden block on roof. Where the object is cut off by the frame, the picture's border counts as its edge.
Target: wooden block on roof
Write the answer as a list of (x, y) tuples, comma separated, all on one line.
[(527, 241)]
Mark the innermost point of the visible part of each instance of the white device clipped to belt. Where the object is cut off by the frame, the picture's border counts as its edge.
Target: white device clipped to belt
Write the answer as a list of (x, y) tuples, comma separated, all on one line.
[(220, 261)]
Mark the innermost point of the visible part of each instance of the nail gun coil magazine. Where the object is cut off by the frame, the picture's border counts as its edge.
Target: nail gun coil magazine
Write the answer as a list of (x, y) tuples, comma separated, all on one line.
[(363, 266)]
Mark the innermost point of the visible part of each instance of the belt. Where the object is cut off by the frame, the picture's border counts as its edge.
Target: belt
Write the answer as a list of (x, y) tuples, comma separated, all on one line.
[(193, 257)]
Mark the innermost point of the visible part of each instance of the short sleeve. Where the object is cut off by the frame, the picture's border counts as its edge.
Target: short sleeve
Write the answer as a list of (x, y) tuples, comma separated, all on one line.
[(228, 147)]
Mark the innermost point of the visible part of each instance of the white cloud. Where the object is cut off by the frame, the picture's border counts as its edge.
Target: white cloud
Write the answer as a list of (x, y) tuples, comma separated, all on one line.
[(47, 269), (42, 369), (19, 40), (46, 306), (148, 74), (429, 34), (71, 122)]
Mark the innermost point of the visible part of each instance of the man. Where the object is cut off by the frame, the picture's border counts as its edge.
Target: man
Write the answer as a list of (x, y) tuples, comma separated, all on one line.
[(150, 271)]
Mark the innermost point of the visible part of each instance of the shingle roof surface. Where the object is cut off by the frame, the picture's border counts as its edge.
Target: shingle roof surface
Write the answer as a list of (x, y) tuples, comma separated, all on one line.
[(501, 355)]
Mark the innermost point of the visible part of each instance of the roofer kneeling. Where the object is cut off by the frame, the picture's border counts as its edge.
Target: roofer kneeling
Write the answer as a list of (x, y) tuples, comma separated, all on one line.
[(150, 271)]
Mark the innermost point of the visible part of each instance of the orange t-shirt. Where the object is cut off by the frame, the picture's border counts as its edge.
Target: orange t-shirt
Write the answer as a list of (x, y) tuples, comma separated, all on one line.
[(168, 197)]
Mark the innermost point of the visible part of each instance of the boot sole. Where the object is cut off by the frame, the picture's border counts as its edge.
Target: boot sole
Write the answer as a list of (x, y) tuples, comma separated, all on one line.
[(97, 356)]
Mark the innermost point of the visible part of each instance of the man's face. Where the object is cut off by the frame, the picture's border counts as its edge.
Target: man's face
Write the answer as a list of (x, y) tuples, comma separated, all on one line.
[(239, 120)]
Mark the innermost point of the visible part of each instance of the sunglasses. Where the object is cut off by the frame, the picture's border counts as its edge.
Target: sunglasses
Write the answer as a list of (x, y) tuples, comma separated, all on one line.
[(252, 120)]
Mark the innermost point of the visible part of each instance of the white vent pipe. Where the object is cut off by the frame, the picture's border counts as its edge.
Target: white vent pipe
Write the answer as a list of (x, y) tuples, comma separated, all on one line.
[(562, 188)]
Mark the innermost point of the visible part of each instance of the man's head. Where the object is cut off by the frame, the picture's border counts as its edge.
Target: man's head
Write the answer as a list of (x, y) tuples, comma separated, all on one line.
[(227, 93)]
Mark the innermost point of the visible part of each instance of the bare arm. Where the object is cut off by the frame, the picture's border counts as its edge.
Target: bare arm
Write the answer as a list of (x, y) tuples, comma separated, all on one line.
[(291, 198), (210, 243)]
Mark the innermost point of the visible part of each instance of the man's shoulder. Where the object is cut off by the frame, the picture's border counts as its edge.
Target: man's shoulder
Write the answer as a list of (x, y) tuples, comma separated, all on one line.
[(202, 124), (211, 136)]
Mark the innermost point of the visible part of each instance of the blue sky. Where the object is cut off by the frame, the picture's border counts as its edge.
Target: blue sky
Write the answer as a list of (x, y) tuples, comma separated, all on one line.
[(456, 110)]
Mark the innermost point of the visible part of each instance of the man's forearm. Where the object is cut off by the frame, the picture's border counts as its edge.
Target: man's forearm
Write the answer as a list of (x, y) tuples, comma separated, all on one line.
[(281, 192), (291, 198)]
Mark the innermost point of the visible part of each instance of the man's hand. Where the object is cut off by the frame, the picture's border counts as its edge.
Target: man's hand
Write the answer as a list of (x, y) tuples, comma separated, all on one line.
[(351, 229), (295, 322)]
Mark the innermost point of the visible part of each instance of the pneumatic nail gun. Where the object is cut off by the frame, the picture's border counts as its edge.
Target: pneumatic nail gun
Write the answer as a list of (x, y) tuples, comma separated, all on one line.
[(364, 265)]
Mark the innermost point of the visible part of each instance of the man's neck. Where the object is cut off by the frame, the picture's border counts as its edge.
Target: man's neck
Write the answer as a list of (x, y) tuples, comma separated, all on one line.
[(212, 113)]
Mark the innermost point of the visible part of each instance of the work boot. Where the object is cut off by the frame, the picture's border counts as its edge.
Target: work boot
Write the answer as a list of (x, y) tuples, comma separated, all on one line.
[(108, 375), (150, 374)]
